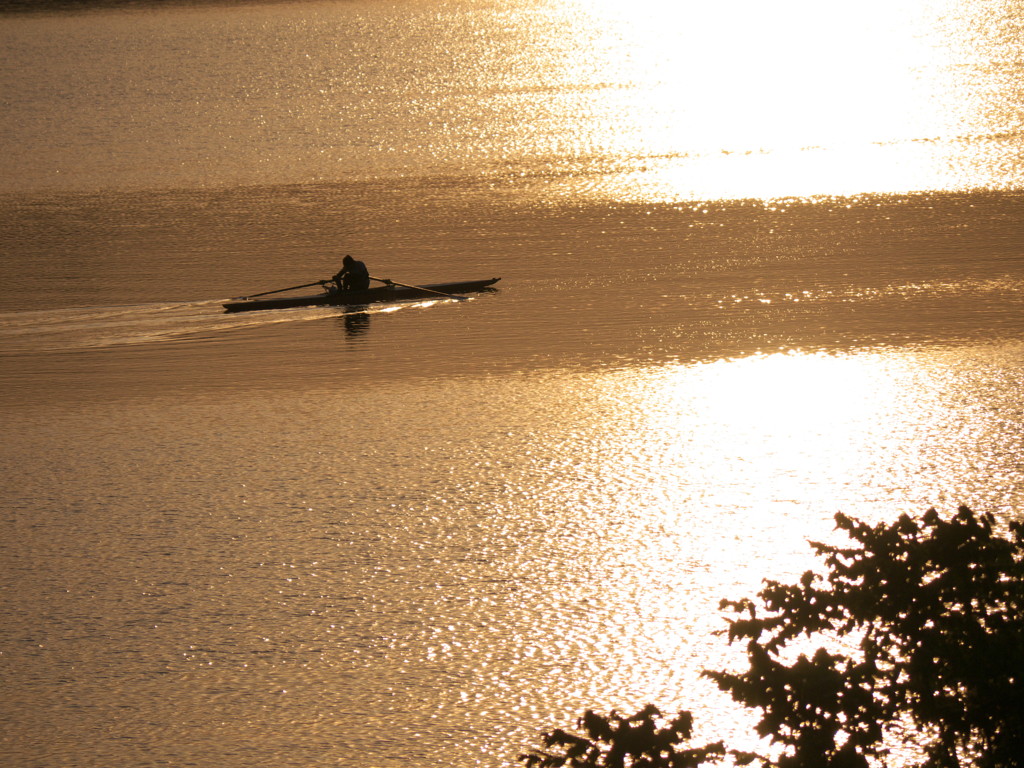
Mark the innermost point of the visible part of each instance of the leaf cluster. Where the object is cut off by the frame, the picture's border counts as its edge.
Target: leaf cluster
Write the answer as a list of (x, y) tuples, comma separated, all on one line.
[(922, 629), (643, 740), (934, 610)]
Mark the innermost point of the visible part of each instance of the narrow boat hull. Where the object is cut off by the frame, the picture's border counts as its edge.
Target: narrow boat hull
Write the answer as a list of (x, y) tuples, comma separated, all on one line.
[(369, 296)]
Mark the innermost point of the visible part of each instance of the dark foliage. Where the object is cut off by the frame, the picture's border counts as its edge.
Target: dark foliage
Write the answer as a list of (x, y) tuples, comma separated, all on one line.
[(923, 623), (614, 741), (935, 610)]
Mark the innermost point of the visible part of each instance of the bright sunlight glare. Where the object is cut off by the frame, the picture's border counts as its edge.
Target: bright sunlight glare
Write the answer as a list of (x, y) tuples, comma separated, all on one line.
[(788, 99)]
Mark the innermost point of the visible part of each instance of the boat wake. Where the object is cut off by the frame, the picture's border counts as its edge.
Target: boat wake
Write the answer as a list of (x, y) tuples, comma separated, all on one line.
[(97, 328)]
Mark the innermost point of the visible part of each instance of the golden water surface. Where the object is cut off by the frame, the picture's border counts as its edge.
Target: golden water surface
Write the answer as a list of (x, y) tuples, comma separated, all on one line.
[(760, 263)]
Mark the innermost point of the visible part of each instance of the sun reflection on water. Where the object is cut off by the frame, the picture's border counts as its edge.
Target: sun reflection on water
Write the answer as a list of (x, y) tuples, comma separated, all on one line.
[(834, 432), (652, 494), (793, 99), (693, 483), (508, 552), (587, 99)]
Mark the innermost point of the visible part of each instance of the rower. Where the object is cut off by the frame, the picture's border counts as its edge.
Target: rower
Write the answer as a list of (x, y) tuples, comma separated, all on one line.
[(354, 276)]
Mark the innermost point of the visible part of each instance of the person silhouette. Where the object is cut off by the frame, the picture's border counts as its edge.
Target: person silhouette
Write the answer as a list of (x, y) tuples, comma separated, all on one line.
[(353, 275)]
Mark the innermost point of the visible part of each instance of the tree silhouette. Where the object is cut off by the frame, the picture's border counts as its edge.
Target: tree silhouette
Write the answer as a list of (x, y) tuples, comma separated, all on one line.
[(922, 625), (643, 740)]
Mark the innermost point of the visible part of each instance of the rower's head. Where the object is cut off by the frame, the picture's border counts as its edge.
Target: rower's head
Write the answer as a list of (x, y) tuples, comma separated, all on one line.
[(347, 260)]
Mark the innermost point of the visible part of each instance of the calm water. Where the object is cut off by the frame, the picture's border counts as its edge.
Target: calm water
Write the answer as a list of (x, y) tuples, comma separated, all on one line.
[(758, 266)]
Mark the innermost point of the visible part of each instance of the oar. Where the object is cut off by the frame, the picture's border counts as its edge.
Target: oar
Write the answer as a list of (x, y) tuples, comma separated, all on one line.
[(420, 288), (279, 290)]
